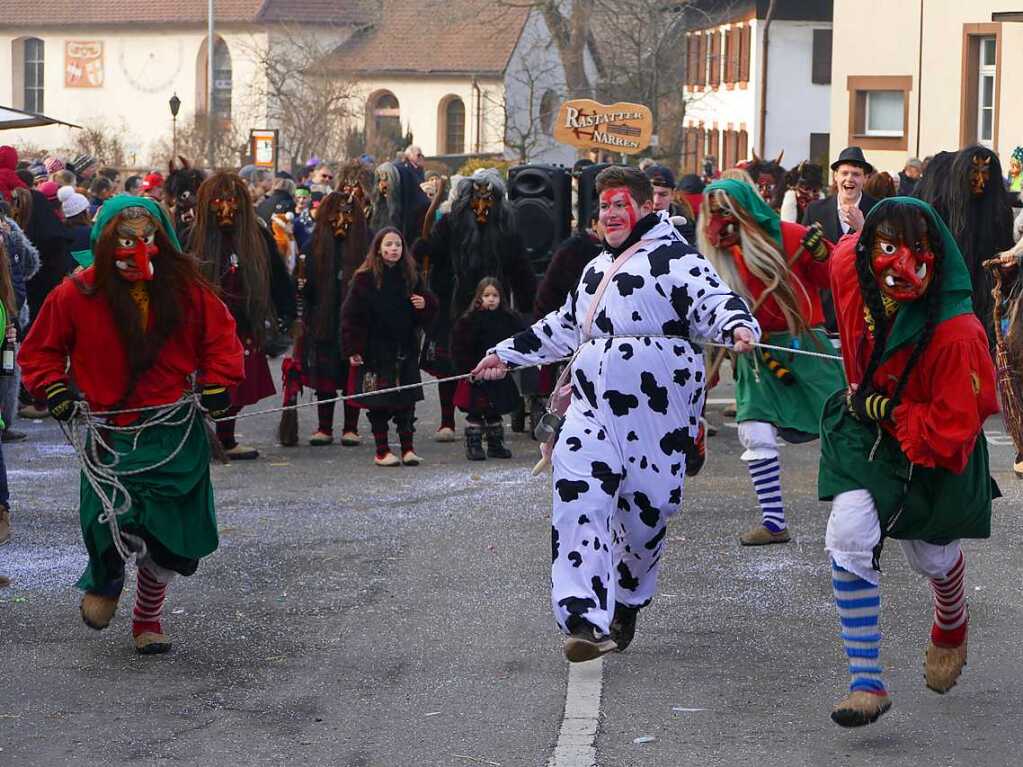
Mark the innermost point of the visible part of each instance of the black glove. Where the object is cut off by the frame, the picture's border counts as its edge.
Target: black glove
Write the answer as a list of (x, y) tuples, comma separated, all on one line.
[(813, 243), (216, 400), (869, 407), (60, 400)]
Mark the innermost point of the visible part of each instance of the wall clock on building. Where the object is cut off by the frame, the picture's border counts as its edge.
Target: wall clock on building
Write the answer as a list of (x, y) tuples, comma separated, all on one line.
[(152, 68)]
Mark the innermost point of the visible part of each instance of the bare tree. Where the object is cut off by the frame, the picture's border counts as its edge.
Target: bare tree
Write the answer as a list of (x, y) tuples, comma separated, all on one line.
[(534, 89), (313, 112), (100, 139), (230, 145), (642, 44)]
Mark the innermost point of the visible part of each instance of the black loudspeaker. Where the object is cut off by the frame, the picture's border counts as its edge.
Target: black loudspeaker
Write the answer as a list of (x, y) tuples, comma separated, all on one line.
[(586, 194), (542, 198)]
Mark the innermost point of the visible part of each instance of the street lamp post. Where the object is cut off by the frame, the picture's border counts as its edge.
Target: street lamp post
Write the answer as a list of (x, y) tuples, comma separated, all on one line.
[(210, 46), (175, 105)]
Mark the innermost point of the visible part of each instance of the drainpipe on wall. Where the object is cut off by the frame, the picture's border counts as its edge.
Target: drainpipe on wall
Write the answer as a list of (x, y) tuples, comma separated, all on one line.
[(919, 79), (479, 112), (763, 80)]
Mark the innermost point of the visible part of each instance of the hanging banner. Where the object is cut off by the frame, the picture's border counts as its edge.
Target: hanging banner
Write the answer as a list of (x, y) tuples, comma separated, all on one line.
[(83, 64), (620, 127)]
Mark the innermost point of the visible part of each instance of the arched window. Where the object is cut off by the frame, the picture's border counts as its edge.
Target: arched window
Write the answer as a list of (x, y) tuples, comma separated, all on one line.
[(28, 59), (222, 79), (451, 126), (383, 118), (548, 111)]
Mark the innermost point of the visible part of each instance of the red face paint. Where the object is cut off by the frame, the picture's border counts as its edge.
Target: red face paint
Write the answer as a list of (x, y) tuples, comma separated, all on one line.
[(903, 272), (619, 213)]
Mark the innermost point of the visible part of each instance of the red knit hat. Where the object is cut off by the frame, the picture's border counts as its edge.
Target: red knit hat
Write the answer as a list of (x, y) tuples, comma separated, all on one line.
[(152, 181)]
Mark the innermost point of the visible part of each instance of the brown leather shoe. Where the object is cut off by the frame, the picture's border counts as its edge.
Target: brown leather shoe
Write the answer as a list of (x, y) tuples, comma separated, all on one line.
[(98, 610), (242, 453), (586, 643), (758, 535), (150, 643), (860, 708), (5, 525), (943, 665)]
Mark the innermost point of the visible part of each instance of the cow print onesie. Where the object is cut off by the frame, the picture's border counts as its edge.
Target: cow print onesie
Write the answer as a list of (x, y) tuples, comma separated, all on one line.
[(619, 463)]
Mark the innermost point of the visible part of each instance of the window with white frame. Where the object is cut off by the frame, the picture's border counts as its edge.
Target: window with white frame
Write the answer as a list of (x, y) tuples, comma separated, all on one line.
[(884, 113), (34, 66), (986, 73)]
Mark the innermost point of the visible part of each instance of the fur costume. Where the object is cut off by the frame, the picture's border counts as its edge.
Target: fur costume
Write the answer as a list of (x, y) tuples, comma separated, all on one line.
[(181, 189), (769, 178)]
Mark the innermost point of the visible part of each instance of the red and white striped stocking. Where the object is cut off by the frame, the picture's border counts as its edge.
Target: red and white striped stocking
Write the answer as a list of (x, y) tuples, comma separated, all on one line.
[(949, 628), (148, 603)]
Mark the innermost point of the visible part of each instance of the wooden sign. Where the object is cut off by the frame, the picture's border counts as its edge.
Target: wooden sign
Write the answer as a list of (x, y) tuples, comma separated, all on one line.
[(620, 127), (263, 146), (83, 64)]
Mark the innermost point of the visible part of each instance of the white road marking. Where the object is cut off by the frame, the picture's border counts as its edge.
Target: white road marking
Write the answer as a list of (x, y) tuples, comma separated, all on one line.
[(576, 746), (719, 400)]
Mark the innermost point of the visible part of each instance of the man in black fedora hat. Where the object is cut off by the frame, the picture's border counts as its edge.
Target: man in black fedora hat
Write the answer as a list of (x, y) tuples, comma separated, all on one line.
[(844, 211)]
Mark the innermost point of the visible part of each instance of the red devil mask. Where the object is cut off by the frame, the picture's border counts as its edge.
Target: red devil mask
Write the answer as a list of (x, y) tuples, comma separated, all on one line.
[(723, 228), (904, 271), (136, 245)]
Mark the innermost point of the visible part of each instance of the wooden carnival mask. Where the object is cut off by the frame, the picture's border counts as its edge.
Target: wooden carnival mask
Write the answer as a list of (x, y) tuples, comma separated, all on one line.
[(904, 270)]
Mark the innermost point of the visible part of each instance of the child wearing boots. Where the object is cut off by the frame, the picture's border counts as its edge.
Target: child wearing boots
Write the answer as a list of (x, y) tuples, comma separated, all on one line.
[(386, 308), (487, 322)]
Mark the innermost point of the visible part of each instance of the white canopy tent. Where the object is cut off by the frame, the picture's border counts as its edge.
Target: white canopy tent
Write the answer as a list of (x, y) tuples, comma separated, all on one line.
[(15, 118)]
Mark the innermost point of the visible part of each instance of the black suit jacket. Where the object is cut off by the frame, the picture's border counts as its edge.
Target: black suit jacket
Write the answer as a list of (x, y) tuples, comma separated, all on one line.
[(825, 212)]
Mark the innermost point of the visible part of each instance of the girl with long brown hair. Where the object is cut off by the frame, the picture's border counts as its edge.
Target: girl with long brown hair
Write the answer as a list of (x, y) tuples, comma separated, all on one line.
[(382, 320)]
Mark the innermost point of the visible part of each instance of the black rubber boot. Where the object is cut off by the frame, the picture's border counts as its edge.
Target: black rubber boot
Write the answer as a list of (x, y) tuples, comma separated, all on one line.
[(474, 442), (495, 441)]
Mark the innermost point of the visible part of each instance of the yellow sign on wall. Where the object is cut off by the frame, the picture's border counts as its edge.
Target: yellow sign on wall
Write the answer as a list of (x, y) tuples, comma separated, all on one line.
[(620, 127), (83, 64)]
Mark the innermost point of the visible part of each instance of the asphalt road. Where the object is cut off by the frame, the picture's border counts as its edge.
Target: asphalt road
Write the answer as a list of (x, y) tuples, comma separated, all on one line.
[(370, 617)]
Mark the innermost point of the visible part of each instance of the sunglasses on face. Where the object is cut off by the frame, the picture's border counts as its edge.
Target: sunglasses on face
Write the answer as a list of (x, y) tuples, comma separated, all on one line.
[(326, 177)]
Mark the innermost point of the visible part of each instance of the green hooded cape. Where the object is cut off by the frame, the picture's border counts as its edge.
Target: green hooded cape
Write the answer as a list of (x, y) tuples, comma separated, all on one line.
[(956, 288), (752, 203), (111, 208), (912, 502)]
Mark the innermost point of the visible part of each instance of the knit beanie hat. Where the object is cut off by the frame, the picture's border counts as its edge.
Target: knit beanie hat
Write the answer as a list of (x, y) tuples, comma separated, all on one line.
[(49, 190), (38, 171), (81, 164), (71, 202), (152, 181), (53, 164)]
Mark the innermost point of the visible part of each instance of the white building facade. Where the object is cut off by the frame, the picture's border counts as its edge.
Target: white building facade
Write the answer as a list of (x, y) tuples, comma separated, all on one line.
[(726, 121)]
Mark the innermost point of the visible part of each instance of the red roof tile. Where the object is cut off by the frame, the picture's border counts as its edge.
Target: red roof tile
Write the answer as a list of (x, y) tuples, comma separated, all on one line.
[(457, 36), (65, 13)]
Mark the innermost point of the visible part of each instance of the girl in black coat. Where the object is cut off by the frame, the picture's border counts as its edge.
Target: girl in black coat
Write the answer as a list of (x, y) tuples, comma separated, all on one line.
[(487, 322), (381, 323)]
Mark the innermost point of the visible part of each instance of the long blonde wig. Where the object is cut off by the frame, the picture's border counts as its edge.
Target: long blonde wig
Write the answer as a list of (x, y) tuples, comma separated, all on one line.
[(763, 257)]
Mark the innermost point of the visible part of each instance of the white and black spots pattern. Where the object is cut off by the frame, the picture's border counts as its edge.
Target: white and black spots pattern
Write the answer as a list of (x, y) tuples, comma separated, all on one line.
[(619, 464)]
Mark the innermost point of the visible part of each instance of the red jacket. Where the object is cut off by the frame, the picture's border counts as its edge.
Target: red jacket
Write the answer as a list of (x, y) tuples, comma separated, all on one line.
[(949, 394), (808, 278), (80, 328)]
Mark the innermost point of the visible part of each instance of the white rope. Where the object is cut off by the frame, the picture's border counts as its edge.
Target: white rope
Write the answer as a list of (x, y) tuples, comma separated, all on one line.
[(84, 432), (463, 376)]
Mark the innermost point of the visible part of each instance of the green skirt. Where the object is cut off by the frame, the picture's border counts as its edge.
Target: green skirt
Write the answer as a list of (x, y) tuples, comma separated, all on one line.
[(913, 502), (171, 507), (794, 409)]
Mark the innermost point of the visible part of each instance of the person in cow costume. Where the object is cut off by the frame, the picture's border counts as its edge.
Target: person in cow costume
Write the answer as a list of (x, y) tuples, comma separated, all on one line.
[(637, 393), (903, 453), (778, 267), (138, 328)]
